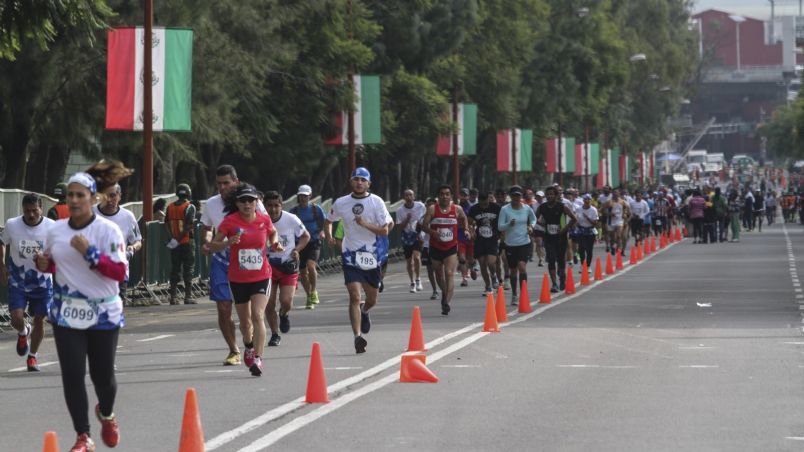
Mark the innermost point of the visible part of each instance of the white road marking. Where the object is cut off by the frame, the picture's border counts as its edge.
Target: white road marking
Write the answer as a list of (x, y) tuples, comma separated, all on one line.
[(696, 347), (793, 343), (795, 438), (698, 366), (156, 338), (460, 366), (342, 368), (21, 369), (223, 371)]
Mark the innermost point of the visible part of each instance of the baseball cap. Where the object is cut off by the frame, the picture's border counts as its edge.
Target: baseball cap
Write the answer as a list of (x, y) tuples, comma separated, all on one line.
[(60, 190), (183, 190), (465, 191), (515, 190), (540, 193), (587, 196), (361, 172), (246, 191), (305, 190)]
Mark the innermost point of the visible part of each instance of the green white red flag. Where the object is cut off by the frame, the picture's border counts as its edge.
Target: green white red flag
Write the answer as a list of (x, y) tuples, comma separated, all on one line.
[(519, 156), (366, 113), (467, 132)]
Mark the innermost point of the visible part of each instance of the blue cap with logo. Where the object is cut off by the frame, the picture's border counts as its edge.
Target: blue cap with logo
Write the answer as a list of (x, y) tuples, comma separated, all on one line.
[(361, 172)]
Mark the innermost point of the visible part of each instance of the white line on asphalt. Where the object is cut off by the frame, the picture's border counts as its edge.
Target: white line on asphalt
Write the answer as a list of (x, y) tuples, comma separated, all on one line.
[(461, 366), (698, 366), (697, 347), (156, 338), (45, 364), (308, 418), (225, 371), (795, 438), (342, 368), (793, 343)]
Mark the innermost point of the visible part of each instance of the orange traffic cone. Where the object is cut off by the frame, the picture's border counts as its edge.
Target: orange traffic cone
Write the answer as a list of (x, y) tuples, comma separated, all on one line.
[(619, 264), (569, 285), (192, 435), (413, 370), (678, 235), (598, 272), (686, 232), (669, 236), (633, 259), (584, 273), (639, 253), (524, 298), (609, 267), (653, 244), (490, 323), (544, 297), (316, 378), (662, 242), (416, 340), (502, 315), (646, 248), (51, 442)]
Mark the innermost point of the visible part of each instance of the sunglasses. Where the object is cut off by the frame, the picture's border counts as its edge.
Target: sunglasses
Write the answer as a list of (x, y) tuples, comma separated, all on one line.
[(246, 200)]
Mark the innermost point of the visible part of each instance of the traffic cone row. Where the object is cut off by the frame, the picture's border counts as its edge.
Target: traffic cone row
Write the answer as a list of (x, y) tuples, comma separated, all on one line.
[(609, 267)]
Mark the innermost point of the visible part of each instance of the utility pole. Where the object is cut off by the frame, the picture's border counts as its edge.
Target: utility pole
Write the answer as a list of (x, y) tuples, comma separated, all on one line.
[(148, 115), (351, 112), (456, 180), (513, 154)]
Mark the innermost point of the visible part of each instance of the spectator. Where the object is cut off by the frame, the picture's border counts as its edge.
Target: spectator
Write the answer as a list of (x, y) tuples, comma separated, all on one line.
[(179, 227)]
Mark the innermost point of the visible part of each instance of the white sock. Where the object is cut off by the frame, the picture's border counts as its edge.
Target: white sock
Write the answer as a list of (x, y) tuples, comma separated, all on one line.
[(27, 330)]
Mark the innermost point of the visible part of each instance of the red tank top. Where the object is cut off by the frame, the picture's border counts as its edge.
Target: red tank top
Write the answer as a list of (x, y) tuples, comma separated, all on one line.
[(446, 226)]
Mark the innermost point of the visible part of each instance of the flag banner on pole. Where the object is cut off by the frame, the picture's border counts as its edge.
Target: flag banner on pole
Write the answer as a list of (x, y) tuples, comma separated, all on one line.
[(613, 163), (524, 150), (171, 79), (467, 132), (601, 176), (366, 113), (653, 169), (644, 167), (625, 168), (560, 155), (587, 159)]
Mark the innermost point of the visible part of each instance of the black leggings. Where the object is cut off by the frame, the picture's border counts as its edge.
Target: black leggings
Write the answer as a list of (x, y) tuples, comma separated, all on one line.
[(74, 347), (556, 250), (586, 243)]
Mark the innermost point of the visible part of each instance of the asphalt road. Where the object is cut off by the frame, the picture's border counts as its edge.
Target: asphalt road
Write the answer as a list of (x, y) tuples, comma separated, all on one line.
[(699, 347)]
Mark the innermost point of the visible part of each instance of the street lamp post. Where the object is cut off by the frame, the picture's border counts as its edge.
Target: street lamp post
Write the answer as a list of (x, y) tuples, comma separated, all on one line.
[(738, 20)]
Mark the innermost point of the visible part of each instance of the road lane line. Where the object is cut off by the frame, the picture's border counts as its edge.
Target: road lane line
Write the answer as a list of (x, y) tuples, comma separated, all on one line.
[(156, 338), (45, 364), (698, 366)]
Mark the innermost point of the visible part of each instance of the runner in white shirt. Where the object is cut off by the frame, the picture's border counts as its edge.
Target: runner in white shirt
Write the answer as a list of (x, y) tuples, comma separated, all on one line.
[(538, 230), (23, 237), (588, 221), (424, 240), (639, 209), (408, 218), (293, 237), (366, 224)]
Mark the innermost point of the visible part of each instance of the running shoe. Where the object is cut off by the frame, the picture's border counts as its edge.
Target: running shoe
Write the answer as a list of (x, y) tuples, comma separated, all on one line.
[(83, 444), (360, 344), (514, 300), (22, 341), (487, 291), (541, 263), (382, 287), (256, 368), (444, 307), (275, 340), (506, 284), (310, 304), (562, 285), (189, 301), (110, 431), (232, 360), (434, 296), (284, 323), (494, 283), (32, 364), (314, 297), (412, 287), (465, 282), (365, 322), (473, 274), (554, 289), (419, 287), (248, 357)]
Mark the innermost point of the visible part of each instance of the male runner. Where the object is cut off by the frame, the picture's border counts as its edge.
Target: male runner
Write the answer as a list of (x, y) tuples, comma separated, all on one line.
[(109, 208), (483, 217), (555, 239), (313, 217), (408, 217)]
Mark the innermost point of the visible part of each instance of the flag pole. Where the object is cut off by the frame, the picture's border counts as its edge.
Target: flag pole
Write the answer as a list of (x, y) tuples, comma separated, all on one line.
[(513, 153), (456, 180), (147, 116), (560, 152), (587, 171), (351, 111)]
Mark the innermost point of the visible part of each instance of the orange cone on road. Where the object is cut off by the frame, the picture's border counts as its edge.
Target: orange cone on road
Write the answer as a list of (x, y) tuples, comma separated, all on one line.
[(584, 273), (502, 314), (51, 442), (686, 232), (416, 340), (670, 236), (609, 267), (524, 298), (316, 378), (619, 264), (569, 285), (633, 259), (678, 235), (639, 255), (646, 248), (598, 271), (192, 435), (653, 244), (544, 297), (413, 370), (490, 324)]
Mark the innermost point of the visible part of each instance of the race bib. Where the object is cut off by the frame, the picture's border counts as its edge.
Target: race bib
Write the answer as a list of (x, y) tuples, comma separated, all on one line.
[(250, 259), (28, 248), (445, 235), (485, 231), (78, 313), (553, 229), (365, 260)]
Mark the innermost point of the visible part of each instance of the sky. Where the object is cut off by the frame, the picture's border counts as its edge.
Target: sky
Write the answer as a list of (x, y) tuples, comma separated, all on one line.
[(759, 9)]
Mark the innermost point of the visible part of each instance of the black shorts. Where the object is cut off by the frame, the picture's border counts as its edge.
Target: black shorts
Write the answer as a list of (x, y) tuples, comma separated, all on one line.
[(517, 254), (486, 248), (242, 292), (310, 252), (426, 256), (440, 255), (408, 250), (636, 226), (538, 233), (501, 248)]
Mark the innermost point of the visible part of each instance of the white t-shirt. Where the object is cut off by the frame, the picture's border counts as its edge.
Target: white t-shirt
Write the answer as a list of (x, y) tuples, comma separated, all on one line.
[(22, 242), (288, 228), (356, 238), (587, 216), (616, 218), (639, 208), (124, 220), (416, 213)]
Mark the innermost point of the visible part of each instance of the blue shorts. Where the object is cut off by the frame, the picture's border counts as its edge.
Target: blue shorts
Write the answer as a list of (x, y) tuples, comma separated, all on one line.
[(370, 277), (36, 301), (219, 282)]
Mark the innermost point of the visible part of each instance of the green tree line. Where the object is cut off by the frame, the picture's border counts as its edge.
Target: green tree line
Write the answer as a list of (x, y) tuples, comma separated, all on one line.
[(266, 79)]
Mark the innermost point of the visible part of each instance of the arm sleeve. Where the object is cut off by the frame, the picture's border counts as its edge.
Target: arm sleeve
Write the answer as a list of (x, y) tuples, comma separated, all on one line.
[(502, 222), (111, 269)]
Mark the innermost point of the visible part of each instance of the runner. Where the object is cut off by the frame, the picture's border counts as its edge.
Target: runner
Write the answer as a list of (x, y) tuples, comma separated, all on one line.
[(759, 210), (109, 208), (313, 216), (365, 222), (538, 230), (87, 255), (588, 221), (442, 220), (551, 215), (483, 218), (517, 221), (503, 272), (179, 224), (219, 291), (60, 209), (603, 201), (639, 210), (770, 207), (408, 217), (661, 216), (466, 260), (617, 215), (284, 265), (424, 240), (22, 238), (735, 208), (247, 232)]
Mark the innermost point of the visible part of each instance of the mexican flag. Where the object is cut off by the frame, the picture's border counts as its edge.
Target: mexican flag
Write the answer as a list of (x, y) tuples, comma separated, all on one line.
[(625, 168), (560, 155), (171, 79), (366, 113), (467, 132), (613, 166), (587, 154), (644, 167), (524, 150)]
